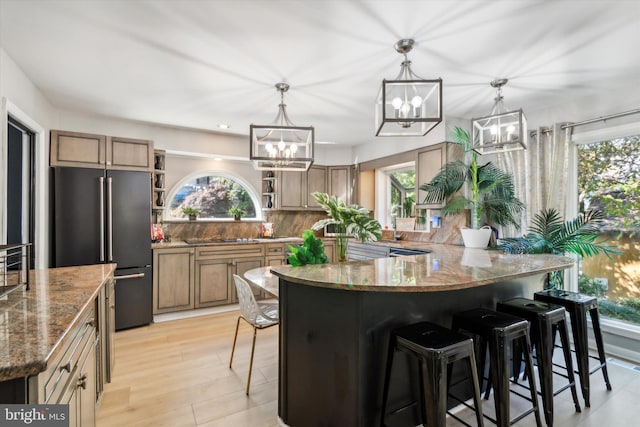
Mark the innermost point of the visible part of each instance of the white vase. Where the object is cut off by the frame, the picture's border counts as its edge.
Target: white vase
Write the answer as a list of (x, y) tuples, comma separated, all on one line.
[(476, 238)]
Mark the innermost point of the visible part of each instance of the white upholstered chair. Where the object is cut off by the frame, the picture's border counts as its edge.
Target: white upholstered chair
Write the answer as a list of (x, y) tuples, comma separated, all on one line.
[(258, 315)]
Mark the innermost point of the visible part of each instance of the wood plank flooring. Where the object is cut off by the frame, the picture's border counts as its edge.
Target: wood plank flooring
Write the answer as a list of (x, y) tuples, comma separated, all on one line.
[(177, 374)]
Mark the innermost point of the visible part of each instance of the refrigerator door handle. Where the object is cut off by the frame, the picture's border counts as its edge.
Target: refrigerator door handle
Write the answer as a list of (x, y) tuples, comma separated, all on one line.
[(130, 276), (101, 190), (110, 218)]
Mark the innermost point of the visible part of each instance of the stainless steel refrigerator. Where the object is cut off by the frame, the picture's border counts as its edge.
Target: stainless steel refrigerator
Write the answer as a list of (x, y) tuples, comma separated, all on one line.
[(102, 217)]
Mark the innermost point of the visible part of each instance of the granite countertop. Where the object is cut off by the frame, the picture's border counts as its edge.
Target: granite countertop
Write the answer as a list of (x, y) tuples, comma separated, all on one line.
[(446, 268), (34, 322), (220, 242)]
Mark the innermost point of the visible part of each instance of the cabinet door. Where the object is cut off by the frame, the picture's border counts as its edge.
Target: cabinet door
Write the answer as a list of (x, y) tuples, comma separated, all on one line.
[(243, 265), (212, 282), (340, 182), (316, 182), (428, 164), (87, 389), (76, 149), (330, 249), (293, 186), (129, 154), (173, 281)]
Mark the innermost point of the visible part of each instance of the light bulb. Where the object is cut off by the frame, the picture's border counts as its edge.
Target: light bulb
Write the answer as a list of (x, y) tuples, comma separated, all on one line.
[(494, 130), (416, 101), (404, 110), (287, 153), (268, 147), (281, 145), (397, 103), (294, 148)]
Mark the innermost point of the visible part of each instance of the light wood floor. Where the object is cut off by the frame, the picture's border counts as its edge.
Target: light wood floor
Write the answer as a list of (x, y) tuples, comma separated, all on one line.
[(176, 374)]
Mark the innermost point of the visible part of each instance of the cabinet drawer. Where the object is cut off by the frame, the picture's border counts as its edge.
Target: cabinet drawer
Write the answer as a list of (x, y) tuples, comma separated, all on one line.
[(278, 249), (63, 366), (234, 251)]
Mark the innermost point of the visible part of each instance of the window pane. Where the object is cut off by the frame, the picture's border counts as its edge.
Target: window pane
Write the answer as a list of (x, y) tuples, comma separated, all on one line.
[(213, 195), (609, 180)]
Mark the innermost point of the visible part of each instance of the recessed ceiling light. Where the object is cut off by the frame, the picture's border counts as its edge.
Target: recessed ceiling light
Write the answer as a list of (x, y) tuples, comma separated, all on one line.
[(224, 126), (325, 142), (217, 159)]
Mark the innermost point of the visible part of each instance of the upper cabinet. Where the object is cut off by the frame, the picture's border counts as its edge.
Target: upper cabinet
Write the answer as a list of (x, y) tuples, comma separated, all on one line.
[(428, 163), (84, 150), (293, 189), (316, 182)]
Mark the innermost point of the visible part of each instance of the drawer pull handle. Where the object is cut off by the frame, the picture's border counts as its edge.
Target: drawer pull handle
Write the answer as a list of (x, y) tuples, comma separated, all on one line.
[(82, 382), (66, 367)]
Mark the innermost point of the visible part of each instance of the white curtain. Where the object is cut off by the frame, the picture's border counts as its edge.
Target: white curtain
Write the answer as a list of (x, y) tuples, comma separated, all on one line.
[(540, 174)]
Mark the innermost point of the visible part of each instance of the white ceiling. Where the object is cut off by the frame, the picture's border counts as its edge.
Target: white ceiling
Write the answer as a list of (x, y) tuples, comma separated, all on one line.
[(199, 63)]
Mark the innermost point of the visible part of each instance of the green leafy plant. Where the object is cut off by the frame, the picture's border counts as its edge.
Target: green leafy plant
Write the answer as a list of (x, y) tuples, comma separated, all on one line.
[(190, 211), (350, 220), (492, 190), (548, 234), (311, 251), (237, 212)]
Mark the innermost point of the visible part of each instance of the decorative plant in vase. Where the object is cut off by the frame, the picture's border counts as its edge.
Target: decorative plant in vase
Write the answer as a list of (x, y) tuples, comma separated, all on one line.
[(237, 212), (350, 220), (191, 212), (548, 234), (492, 191)]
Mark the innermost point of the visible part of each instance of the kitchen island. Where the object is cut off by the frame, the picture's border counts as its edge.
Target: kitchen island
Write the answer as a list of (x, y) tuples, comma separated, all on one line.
[(336, 319), (48, 330)]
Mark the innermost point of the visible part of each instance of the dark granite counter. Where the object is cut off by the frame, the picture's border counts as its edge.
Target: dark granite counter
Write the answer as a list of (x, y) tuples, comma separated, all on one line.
[(34, 322)]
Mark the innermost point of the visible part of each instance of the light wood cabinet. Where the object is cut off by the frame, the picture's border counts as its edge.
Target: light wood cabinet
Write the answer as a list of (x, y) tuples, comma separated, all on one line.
[(275, 254), (294, 188), (173, 280), (428, 163), (340, 182), (83, 150), (330, 250), (316, 182), (215, 267)]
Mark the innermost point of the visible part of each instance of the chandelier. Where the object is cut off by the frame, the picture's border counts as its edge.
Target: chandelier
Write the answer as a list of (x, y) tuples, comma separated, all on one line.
[(281, 145), (408, 105), (502, 130)]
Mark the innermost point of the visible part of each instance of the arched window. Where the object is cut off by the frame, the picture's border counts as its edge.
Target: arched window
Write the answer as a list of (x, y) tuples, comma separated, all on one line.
[(213, 194)]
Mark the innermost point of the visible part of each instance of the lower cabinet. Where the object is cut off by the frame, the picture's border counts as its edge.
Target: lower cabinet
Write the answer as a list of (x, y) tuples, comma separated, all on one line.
[(173, 280)]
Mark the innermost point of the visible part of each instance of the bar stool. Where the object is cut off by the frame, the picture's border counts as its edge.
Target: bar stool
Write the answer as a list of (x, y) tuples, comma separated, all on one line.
[(501, 331), (435, 348), (545, 319), (578, 305)]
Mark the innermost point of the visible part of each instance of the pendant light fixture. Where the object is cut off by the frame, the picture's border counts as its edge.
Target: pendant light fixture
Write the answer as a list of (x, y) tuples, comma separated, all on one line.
[(502, 130), (408, 105), (281, 145)]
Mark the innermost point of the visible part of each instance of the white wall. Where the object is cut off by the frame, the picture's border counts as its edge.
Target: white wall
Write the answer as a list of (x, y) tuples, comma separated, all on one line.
[(23, 101)]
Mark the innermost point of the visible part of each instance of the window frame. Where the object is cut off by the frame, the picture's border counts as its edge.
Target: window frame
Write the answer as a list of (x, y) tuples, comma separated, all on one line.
[(253, 193)]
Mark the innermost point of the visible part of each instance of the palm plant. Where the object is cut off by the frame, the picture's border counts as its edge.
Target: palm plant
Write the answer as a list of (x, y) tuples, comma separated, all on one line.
[(492, 190), (548, 234), (351, 220)]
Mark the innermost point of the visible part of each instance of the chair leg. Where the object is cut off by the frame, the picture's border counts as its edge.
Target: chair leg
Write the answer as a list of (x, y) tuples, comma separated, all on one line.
[(566, 350), (476, 389), (595, 322), (235, 337), (253, 347)]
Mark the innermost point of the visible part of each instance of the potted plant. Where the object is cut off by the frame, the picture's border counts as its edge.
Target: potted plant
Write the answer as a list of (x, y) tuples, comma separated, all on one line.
[(237, 212), (492, 193), (191, 212), (548, 234), (351, 220), (311, 251)]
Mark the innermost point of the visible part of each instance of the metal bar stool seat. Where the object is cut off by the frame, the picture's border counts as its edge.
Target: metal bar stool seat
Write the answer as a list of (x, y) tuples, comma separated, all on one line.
[(578, 305), (502, 331), (435, 348), (545, 319)]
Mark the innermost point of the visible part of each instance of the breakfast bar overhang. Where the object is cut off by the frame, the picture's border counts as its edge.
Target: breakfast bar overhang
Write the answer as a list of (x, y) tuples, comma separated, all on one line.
[(335, 321)]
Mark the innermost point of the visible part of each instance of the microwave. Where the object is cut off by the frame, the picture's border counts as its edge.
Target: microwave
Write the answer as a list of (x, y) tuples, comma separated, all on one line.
[(330, 230)]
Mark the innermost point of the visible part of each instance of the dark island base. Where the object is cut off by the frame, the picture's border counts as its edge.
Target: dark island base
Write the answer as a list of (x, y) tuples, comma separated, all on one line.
[(333, 346)]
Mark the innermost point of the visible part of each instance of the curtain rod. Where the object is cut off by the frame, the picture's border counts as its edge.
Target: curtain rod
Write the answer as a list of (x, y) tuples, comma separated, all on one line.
[(605, 118), (586, 122)]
